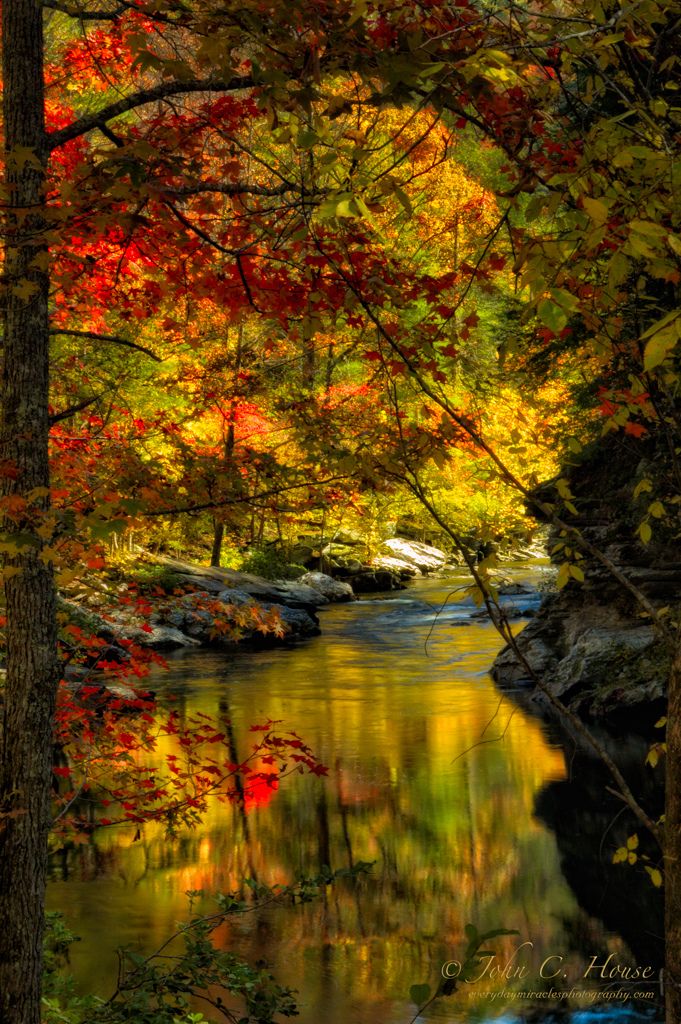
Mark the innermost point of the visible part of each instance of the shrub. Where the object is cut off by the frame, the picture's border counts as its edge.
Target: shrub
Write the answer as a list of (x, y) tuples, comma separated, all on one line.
[(271, 563)]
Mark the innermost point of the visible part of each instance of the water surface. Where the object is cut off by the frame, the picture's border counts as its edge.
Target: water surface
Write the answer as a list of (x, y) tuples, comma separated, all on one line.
[(431, 775)]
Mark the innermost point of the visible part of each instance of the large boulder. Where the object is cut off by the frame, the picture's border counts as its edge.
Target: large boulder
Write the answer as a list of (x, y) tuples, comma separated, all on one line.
[(398, 565), (412, 554), (597, 658), (217, 581), (590, 641), (331, 589), (196, 615)]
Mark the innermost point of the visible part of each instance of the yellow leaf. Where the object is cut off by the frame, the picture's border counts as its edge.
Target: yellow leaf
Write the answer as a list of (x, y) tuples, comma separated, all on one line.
[(641, 486), (563, 575), (653, 757), (645, 532), (655, 876), (596, 209)]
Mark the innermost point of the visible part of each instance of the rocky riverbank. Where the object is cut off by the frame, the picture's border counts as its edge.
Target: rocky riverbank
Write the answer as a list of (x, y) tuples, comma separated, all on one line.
[(207, 606), (591, 643)]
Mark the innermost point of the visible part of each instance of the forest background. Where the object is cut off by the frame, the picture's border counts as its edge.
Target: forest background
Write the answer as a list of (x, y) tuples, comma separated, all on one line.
[(273, 265)]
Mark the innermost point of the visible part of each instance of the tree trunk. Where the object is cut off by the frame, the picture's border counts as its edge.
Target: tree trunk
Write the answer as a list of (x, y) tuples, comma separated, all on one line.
[(32, 667), (672, 844), (218, 535)]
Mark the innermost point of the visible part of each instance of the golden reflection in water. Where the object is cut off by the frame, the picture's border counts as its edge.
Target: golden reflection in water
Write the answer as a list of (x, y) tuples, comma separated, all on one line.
[(447, 819)]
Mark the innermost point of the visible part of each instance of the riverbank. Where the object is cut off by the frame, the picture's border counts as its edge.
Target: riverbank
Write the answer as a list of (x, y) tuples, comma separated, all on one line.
[(164, 603)]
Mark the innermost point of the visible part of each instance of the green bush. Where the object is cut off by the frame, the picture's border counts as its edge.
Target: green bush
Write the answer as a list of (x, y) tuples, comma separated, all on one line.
[(271, 563), (147, 576)]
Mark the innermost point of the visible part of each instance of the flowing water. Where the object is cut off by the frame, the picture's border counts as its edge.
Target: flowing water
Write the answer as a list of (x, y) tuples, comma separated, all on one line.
[(398, 704)]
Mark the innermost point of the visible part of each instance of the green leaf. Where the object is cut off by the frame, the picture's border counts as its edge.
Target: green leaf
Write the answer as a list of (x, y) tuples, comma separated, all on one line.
[(359, 9), (404, 200), (663, 337), (307, 139), (659, 324), (419, 994), (552, 315), (648, 227)]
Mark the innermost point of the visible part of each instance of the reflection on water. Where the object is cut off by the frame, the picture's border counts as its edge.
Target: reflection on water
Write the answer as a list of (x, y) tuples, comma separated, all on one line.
[(396, 704)]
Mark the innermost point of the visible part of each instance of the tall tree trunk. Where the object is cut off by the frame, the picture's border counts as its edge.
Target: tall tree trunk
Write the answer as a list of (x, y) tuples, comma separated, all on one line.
[(218, 535), (230, 441), (672, 844), (32, 668)]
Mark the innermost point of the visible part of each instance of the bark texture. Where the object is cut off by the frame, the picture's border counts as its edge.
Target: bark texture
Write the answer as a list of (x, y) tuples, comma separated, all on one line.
[(32, 668), (672, 845)]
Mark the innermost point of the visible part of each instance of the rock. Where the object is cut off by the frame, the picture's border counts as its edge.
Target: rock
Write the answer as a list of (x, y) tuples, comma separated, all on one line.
[(201, 617), (163, 637), (217, 581), (594, 657), (596, 651), (296, 594), (333, 590), (373, 582), (299, 623), (202, 584), (302, 554), (397, 565), (235, 597), (159, 636), (413, 553), (515, 588)]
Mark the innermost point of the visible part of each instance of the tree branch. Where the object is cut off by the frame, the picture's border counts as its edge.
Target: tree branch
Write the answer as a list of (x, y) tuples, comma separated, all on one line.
[(115, 339), (236, 188), (57, 417), (244, 499), (506, 473), (500, 623), (82, 15), (88, 122)]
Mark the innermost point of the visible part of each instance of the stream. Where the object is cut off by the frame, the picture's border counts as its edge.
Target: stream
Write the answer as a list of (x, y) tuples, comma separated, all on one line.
[(397, 702)]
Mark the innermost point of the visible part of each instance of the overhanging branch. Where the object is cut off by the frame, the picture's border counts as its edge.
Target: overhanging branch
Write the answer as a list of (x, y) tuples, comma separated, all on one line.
[(235, 188), (163, 91), (83, 15), (246, 499), (64, 414), (114, 339)]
